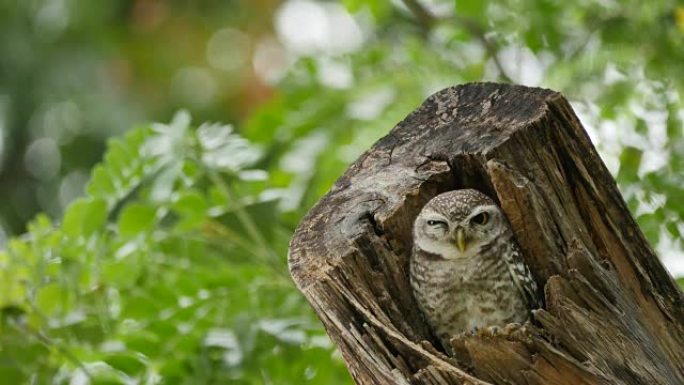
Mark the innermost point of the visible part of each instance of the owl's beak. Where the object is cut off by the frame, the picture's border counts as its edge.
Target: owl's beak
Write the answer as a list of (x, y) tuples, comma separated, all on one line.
[(460, 239)]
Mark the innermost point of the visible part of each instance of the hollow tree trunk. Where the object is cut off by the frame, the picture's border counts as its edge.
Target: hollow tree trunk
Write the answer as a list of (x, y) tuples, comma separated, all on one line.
[(612, 314)]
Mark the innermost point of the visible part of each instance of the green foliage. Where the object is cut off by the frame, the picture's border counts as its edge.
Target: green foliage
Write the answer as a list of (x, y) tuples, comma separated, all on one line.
[(160, 275), (171, 268)]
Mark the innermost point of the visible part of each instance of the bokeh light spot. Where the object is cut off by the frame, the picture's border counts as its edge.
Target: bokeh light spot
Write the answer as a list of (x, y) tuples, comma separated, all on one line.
[(307, 27), (193, 87), (43, 159), (228, 49), (270, 60)]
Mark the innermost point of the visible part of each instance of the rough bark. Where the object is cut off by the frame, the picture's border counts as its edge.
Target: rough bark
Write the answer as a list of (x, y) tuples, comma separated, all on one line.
[(612, 313)]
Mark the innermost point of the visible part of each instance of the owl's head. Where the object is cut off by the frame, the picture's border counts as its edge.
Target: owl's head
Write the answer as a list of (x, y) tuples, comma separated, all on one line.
[(456, 224)]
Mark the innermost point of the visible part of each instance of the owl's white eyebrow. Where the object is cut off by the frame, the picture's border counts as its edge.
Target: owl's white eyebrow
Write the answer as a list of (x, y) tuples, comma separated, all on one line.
[(482, 209), (435, 217)]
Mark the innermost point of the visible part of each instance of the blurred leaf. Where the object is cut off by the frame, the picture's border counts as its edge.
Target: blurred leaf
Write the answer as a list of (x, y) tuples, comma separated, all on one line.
[(122, 273), (122, 169), (136, 218), (650, 224), (471, 9), (379, 9), (50, 298), (630, 160), (192, 207), (84, 217)]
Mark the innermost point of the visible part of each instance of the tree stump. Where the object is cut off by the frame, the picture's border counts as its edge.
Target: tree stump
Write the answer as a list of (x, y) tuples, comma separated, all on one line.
[(612, 314)]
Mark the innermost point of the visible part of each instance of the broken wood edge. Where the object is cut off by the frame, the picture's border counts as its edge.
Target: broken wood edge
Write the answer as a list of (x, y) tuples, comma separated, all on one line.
[(559, 289)]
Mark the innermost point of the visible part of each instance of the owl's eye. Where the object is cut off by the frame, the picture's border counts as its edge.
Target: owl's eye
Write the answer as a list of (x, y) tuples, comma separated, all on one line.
[(433, 222), (480, 219)]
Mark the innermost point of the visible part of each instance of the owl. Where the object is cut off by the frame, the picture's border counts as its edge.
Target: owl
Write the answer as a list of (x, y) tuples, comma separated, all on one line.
[(466, 269)]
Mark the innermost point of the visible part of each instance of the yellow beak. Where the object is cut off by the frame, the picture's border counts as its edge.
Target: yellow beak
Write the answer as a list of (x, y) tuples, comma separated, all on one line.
[(460, 239)]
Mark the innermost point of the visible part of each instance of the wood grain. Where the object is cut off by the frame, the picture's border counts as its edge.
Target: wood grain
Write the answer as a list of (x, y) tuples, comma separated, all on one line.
[(612, 314)]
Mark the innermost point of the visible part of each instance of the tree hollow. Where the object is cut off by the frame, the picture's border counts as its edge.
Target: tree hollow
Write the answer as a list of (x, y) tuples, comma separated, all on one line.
[(612, 314)]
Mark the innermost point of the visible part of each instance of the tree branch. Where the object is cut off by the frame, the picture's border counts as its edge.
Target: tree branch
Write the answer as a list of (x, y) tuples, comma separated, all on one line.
[(475, 29), (423, 16), (426, 20)]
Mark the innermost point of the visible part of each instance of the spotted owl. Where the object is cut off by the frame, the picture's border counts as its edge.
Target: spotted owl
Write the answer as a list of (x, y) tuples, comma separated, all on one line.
[(466, 269)]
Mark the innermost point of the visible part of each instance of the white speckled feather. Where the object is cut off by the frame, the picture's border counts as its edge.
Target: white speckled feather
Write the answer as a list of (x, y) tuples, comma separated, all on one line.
[(466, 269)]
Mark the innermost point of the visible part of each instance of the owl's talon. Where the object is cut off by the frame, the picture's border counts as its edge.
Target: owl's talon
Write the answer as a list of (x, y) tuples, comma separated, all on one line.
[(488, 331), (511, 327)]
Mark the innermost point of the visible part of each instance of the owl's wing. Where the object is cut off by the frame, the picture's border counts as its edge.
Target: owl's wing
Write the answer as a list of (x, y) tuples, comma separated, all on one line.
[(521, 275)]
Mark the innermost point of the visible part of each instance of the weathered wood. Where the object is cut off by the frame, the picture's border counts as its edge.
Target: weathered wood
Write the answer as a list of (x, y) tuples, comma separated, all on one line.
[(612, 313)]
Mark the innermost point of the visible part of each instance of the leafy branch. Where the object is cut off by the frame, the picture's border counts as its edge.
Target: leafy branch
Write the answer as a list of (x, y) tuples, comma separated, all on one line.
[(118, 264), (426, 20)]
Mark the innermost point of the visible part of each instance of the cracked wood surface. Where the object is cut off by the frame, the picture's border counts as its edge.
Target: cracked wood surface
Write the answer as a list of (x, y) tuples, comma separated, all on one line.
[(612, 313)]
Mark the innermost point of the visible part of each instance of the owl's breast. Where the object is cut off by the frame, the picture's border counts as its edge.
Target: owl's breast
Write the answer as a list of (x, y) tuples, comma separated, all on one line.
[(456, 296)]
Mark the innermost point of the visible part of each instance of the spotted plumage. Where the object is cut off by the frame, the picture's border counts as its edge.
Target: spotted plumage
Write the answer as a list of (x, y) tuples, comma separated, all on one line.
[(466, 268)]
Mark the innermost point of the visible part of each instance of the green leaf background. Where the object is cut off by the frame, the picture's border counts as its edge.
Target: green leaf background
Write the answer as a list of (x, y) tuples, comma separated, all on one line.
[(157, 254)]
